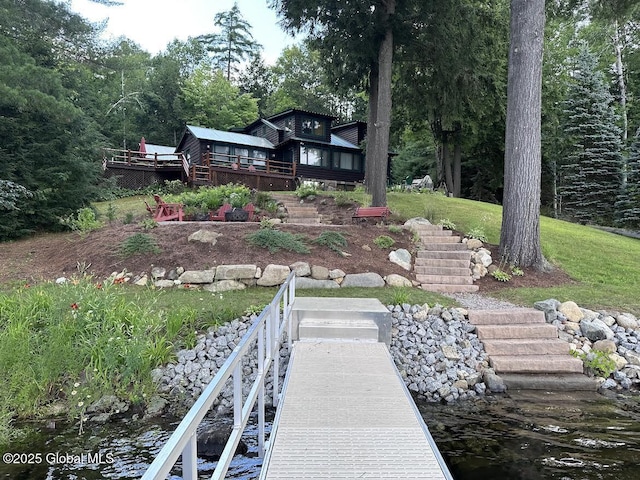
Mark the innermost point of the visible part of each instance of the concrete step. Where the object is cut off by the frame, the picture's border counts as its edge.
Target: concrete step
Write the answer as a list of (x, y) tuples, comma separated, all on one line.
[(306, 220), (551, 382), (526, 346), (352, 329), (434, 232), (444, 247), (536, 363), (428, 270), (445, 279), (533, 331), (442, 262), (428, 239), (441, 288), (317, 311), (510, 316), (301, 209), (444, 255)]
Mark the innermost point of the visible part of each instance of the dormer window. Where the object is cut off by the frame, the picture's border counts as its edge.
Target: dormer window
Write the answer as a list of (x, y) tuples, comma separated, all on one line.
[(313, 127)]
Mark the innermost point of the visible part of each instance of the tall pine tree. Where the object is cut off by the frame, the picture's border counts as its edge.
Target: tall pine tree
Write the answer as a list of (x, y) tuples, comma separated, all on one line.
[(591, 174), (628, 208)]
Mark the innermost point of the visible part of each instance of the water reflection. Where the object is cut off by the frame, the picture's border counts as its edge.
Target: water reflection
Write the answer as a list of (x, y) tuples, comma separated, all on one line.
[(524, 436), (579, 436)]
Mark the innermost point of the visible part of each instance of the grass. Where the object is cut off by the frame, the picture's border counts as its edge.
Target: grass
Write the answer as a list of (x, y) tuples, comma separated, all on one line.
[(605, 265)]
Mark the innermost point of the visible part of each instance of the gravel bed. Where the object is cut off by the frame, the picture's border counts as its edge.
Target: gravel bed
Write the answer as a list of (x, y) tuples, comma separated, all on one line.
[(476, 301)]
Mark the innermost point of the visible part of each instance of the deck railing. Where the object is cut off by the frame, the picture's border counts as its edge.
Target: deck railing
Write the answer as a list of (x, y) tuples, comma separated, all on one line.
[(132, 157), (268, 330), (250, 164)]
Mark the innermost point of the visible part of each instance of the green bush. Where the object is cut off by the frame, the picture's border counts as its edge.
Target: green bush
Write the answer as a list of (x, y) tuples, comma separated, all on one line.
[(276, 240), (342, 199), (138, 243), (333, 240), (306, 190), (83, 222), (384, 241), (478, 233), (597, 362), (395, 229)]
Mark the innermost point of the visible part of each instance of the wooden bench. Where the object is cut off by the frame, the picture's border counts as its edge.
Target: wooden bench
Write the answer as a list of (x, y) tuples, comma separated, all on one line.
[(218, 216), (165, 211), (371, 212)]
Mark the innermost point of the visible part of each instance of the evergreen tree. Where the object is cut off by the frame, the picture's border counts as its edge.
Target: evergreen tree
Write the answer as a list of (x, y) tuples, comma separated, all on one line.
[(234, 43), (591, 176), (628, 208)]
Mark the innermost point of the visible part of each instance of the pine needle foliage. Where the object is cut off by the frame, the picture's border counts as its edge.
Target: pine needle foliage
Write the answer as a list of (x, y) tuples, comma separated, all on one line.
[(276, 240), (591, 175), (628, 207)]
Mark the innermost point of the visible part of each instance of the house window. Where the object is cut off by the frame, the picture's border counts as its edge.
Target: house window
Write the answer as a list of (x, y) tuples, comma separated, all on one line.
[(222, 152), (313, 127), (346, 161), (317, 157), (259, 157)]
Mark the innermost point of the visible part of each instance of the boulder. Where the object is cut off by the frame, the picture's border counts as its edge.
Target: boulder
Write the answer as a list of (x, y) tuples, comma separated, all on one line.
[(274, 275), (205, 236), (142, 281), (627, 321), (572, 327), (307, 282), (596, 330), (369, 279), (416, 222), (619, 360), (493, 382), (235, 272), (401, 257), (302, 269), (606, 346), (366, 248), (549, 307), (395, 280), (224, 286), (198, 276), (158, 273), (164, 284), (474, 243), (482, 257), (319, 273), (572, 311), (633, 358), (336, 274)]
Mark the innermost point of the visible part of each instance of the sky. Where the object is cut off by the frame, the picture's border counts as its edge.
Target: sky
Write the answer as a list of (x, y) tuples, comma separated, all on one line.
[(152, 24)]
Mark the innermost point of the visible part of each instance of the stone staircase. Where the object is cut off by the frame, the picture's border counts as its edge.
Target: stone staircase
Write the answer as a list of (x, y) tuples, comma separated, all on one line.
[(526, 351), (298, 212), (442, 261)]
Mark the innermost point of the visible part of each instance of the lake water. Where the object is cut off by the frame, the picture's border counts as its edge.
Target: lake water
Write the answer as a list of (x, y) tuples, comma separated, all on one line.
[(526, 436)]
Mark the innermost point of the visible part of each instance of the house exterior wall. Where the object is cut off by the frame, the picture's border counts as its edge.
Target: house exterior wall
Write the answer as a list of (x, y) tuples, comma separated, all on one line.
[(353, 132)]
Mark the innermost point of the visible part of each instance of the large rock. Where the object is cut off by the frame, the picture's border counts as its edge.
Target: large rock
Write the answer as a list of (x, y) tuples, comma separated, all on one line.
[(302, 269), (606, 346), (627, 321), (205, 236), (224, 286), (633, 358), (369, 279), (306, 282), (416, 222), (319, 273), (596, 330), (198, 276), (164, 284), (395, 280), (619, 360), (336, 274), (235, 272), (274, 275), (549, 307), (401, 257), (474, 243), (493, 382), (572, 311), (482, 257)]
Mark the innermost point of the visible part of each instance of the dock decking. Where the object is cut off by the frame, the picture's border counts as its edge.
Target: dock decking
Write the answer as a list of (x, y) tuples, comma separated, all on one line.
[(346, 413)]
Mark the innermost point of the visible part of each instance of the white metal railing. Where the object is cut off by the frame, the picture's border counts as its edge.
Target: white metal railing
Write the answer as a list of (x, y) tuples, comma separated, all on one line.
[(267, 329)]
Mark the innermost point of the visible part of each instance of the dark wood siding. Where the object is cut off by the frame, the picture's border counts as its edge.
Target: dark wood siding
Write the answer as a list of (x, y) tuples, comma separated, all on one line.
[(270, 134), (309, 172), (352, 133), (281, 123), (192, 146)]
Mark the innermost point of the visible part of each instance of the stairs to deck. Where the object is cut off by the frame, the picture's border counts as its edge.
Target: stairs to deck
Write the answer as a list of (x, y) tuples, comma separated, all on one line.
[(299, 212), (442, 261), (526, 351)]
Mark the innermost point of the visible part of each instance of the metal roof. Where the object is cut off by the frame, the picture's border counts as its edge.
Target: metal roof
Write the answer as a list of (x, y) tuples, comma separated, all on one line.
[(337, 141), (163, 150), (229, 137)]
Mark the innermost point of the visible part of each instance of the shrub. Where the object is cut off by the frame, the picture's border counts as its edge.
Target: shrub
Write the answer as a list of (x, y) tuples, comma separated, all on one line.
[(395, 229), (597, 362), (276, 240), (501, 275), (384, 241), (448, 224), (477, 232), (342, 199), (306, 190), (138, 243), (333, 240), (128, 218), (83, 222)]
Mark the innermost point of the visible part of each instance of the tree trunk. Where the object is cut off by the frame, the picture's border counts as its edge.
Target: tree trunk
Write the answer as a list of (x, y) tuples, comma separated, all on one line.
[(371, 122), (457, 165), (622, 87), (378, 179), (520, 234), (446, 159)]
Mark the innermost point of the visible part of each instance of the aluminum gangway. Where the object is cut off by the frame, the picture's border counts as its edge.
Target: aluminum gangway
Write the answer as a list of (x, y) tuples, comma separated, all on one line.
[(343, 412)]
